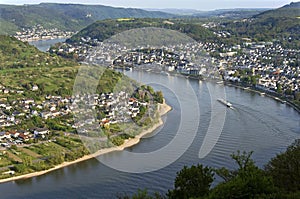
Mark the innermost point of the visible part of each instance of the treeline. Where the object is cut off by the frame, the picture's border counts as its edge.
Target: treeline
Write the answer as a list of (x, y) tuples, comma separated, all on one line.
[(281, 24), (103, 30), (285, 29), (70, 17), (280, 178)]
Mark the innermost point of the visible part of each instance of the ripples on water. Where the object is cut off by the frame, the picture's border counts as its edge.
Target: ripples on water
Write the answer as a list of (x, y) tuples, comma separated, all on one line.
[(256, 123)]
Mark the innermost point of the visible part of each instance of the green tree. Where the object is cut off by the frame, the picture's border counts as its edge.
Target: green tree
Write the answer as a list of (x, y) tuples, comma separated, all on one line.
[(192, 182), (279, 88), (150, 89), (20, 168), (253, 80), (248, 181), (142, 194), (285, 168), (159, 97)]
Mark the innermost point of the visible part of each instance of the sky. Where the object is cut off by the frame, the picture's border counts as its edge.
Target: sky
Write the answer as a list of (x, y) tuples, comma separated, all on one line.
[(180, 4)]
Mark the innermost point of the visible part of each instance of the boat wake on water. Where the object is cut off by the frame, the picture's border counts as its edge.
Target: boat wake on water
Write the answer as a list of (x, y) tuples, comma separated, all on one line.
[(268, 121), (226, 103)]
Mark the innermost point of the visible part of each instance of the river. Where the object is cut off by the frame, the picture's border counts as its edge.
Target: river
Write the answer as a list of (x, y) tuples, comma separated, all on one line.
[(44, 45), (256, 123)]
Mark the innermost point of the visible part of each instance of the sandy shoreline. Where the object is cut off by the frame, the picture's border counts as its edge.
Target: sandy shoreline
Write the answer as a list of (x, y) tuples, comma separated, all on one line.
[(162, 109)]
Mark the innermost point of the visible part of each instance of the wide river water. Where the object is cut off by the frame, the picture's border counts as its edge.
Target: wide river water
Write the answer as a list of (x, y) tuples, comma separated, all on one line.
[(256, 123)]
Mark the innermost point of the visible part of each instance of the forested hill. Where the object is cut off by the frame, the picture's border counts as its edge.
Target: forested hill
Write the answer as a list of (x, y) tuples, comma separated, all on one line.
[(290, 10), (281, 24), (17, 54), (64, 16), (104, 29)]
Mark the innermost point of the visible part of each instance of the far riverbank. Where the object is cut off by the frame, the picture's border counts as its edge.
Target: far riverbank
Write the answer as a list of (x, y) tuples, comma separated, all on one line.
[(278, 97), (262, 93)]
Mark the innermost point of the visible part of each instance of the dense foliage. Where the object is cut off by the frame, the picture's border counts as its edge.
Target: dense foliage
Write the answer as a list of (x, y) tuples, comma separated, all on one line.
[(104, 29), (17, 54), (285, 170), (192, 182), (281, 24), (280, 179), (64, 16)]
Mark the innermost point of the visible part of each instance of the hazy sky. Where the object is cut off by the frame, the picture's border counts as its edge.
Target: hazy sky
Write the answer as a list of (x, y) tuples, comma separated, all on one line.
[(191, 4)]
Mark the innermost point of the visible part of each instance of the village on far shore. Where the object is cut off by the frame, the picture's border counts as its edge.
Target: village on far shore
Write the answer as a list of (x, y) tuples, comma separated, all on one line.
[(263, 65)]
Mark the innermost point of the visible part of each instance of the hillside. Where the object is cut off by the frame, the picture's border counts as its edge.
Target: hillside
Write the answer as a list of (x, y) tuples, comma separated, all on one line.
[(71, 17), (290, 10), (104, 29), (231, 13), (237, 13), (17, 54), (280, 24)]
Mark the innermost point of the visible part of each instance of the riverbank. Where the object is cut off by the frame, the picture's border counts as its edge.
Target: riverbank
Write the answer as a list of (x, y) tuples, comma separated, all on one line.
[(217, 81), (262, 93), (162, 110)]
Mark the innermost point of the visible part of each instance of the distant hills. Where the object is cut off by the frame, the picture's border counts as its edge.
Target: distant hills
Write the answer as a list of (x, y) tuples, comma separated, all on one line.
[(220, 13), (291, 10), (279, 24), (176, 11), (104, 29), (238, 13), (101, 22), (64, 16)]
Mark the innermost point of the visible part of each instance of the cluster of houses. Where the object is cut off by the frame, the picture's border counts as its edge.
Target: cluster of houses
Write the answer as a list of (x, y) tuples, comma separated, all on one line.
[(15, 137), (173, 58), (269, 62), (14, 112), (38, 32), (68, 50), (114, 108), (169, 61)]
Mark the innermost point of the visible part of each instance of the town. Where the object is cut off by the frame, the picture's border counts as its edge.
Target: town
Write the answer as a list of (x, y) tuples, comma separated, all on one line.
[(266, 66), (38, 32), (112, 108)]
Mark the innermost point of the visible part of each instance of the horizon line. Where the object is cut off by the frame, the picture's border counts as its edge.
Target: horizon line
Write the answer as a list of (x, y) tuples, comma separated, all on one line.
[(144, 8)]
